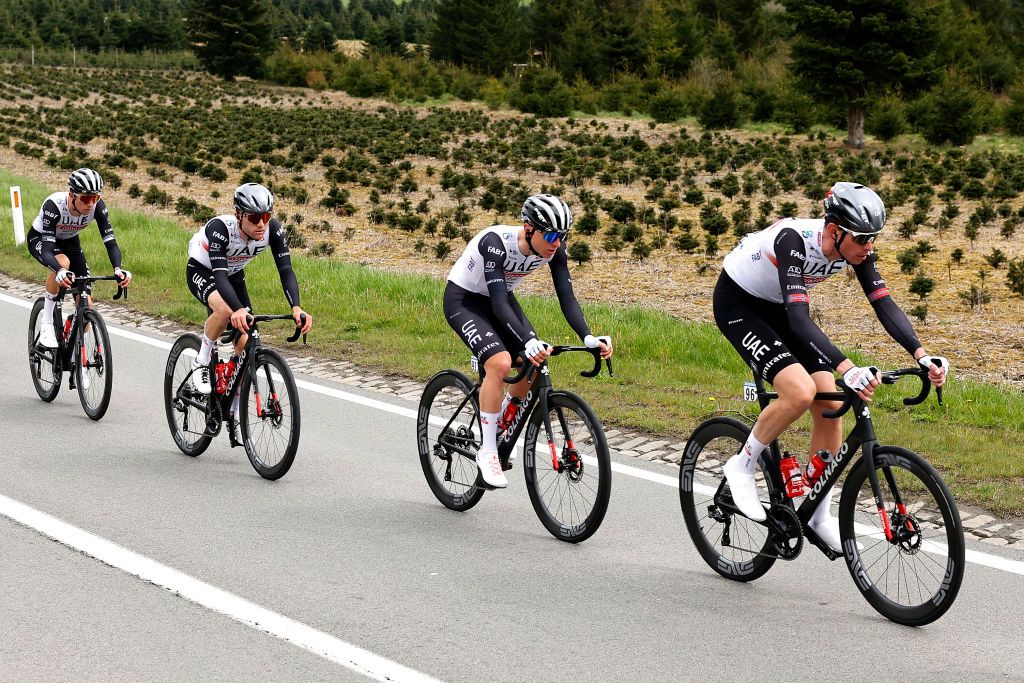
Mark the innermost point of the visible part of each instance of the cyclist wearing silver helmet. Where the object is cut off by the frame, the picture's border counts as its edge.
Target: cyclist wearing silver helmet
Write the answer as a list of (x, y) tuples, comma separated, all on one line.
[(218, 254), (761, 305), (481, 307), (53, 239)]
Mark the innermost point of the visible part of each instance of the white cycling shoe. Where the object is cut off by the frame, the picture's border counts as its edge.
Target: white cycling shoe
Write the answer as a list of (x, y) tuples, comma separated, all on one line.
[(744, 489), (490, 469), (828, 531), (83, 379), (201, 378), (47, 337)]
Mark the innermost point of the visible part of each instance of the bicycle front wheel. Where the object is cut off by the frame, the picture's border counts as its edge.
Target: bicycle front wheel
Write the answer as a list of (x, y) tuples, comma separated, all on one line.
[(186, 421), (269, 412), (907, 559), (448, 438), (570, 481), (94, 369), (42, 363), (734, 546)]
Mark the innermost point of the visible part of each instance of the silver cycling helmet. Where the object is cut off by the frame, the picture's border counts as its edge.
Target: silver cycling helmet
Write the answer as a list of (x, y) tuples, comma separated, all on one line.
[(252, 198), (547, 213), (855, 208)]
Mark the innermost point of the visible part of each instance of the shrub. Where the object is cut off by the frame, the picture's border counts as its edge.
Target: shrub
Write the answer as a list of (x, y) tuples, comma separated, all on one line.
[(542, 91), (886, 120), (920, 311), (952, 111), (1015, 277), (908, 259), (667, 106), (996, 258), (579, 251), (723, 108), (588, 223), (442, 249), (922, 285)]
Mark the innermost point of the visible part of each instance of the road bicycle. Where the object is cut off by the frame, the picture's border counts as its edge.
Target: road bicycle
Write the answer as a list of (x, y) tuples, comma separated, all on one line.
[(569, 490), (268, 406), (83, 349), (900, 529)]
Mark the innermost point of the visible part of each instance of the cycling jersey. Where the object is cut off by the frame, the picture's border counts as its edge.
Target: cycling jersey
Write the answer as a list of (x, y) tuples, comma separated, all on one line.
[(221, 247), (492, 265), (781, 263), (56, 224)]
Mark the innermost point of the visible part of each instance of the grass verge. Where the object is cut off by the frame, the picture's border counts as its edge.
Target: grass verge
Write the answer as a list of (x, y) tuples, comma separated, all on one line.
[(669, 373)]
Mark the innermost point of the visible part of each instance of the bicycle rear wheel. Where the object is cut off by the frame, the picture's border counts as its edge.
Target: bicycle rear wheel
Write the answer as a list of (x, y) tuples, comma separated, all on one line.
[(913, 578), (571, 485), (732, 545), (186, 421), (448, 438), (42, 363), (95, 367), (270, 417)]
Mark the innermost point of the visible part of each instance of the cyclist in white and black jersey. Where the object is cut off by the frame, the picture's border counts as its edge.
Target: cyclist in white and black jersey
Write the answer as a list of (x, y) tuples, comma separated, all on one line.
[(481, 307), (761, 305), (54, 242), (218, 254)]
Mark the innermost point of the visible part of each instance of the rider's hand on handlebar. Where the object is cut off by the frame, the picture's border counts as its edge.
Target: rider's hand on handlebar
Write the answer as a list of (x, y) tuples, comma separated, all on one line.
[(240, 320), (603, 343), (65, 278), (938, 367), (297, 314), (537, 351), (862, 380), (124, 277)]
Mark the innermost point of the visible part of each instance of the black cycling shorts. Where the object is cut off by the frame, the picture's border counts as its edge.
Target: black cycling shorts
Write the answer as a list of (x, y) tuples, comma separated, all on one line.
[(71, 248), (759, 330), (202, 283), (470, 315)]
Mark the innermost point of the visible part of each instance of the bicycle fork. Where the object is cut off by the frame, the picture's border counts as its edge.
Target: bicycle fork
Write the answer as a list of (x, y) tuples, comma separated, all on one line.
[(900, 507), (570, 461)]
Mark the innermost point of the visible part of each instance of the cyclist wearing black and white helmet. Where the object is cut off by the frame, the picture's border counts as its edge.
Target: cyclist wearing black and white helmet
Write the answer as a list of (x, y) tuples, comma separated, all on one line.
[(761, 305), (54, 242), (481, 307), (218, 254)]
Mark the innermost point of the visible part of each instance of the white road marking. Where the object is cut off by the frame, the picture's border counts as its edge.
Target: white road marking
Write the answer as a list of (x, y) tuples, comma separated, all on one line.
[(241, 610), (977, 557)]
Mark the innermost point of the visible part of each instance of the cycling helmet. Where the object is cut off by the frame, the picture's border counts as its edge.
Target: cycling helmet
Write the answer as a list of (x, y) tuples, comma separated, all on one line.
[(85, 181), (253, 198), (855, 208), (547, 213)]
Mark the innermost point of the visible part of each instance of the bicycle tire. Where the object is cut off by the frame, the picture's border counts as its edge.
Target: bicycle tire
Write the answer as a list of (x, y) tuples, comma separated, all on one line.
[(45, 377), (445, 392), (924, 537), (193, 441), (100, 366), (582, 498), (719, 438), (264, 424)]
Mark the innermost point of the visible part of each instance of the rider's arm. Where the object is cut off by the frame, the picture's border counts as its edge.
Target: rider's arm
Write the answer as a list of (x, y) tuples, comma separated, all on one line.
[(790, 257), (282, 257), (492, 251), (216, 234), (566, 297), (102, 216), (893, 319), (49, 215)]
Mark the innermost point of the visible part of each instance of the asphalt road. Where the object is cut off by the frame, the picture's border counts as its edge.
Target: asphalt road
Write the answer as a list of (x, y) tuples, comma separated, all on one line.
[(352, 545)]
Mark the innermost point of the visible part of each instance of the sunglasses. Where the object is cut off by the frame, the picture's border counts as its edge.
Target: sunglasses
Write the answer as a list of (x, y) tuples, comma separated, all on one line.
[(257, 218), (88, 198), (861, 238), (552, 235)]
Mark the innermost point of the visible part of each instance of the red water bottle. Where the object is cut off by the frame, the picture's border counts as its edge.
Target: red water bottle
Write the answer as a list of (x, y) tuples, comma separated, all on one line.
[(222, 377), (510, 413), (819, 461), (791, 476), (232, 364)]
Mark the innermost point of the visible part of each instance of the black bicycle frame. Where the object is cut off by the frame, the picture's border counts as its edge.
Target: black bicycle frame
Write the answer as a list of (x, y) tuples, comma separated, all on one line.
[(63, 356)]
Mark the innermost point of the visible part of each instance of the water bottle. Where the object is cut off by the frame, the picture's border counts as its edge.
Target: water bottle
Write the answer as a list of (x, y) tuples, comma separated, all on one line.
[(222, 377), (792, 477), (819, 461), (510, 413)]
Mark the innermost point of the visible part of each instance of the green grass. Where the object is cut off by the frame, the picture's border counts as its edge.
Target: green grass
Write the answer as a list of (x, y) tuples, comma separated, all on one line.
[(669, 373)]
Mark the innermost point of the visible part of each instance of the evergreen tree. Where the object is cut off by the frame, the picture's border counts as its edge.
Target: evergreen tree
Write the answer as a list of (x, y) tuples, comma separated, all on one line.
[(231, 37), (846, 51), (481, 34)]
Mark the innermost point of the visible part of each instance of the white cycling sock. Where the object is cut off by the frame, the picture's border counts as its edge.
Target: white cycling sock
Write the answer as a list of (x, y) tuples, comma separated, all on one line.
[(49, 302), (504, 404), (824, 510), (750, 453), (489, 425), (205, 351), (234, 404)]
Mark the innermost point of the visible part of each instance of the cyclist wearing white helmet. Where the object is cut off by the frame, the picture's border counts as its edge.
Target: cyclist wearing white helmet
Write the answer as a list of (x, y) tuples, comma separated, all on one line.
[(761, 305), (218, 254), (480, 306), (53, 239)]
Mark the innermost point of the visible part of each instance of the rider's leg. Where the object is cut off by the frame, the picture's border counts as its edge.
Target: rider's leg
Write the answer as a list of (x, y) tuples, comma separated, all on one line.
[(796, 393), (495, 371), (220, 315), (825, 434), (52, 288)]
